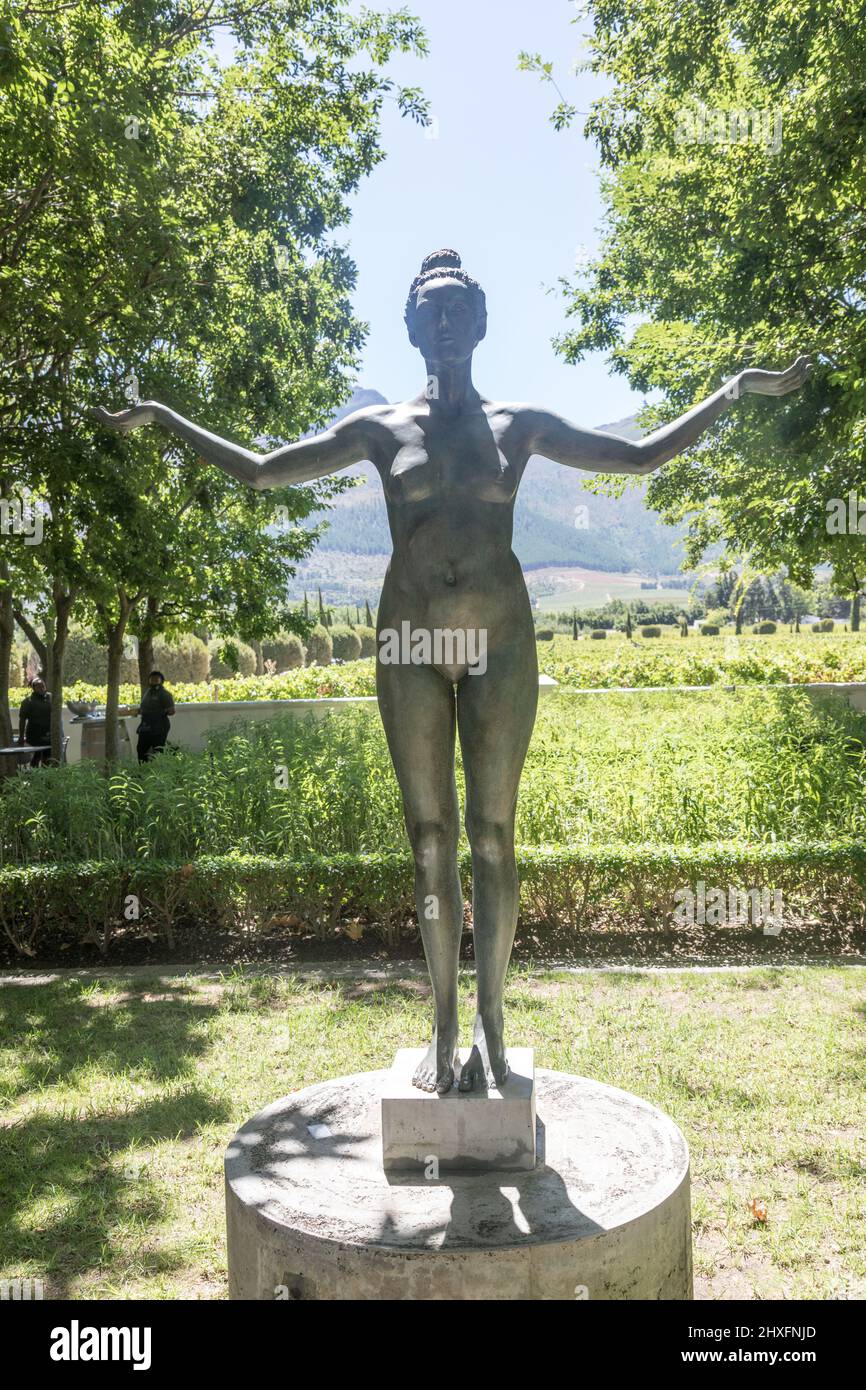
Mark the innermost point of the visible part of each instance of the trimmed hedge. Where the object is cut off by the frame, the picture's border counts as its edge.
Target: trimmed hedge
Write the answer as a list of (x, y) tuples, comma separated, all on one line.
[(709, 630), (320, 648), (367, 637), (243, 655), (765, 629), (345, 642), (85, 659), (578, 888), (184, 660), (651, 631), (598, 633), (286, 650)]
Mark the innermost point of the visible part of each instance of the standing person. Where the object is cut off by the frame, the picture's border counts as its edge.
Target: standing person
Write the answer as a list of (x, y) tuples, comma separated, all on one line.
[(155, 709), (34, 720)]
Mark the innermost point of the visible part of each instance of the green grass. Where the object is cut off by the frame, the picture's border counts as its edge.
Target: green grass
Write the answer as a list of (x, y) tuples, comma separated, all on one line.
[(117, 1099)]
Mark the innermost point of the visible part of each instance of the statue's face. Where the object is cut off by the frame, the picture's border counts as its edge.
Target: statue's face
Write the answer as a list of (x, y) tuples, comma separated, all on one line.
[(445, 329)]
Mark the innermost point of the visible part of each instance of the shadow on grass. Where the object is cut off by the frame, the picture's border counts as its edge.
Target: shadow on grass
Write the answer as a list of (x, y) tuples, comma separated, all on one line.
[(66, 1196)]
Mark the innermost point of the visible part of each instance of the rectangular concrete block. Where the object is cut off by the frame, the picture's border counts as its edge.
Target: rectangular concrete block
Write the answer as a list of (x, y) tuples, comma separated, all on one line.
[(462, 1130)]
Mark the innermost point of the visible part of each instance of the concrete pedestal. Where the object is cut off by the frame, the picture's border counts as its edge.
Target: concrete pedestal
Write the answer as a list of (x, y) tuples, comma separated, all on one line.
[(462, 1131), (604, 1214)]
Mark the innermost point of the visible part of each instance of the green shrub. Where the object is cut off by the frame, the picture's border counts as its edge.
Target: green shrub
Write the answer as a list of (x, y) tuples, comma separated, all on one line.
[(827, 625), (717, 617), (319, 647), (368, 640), (87, 660), (651, 631), (229, 657), (345, 643), (286, 650), (765, 629), (544, 634), (573, 887), (181, 659), (597, 633), (709, 630)]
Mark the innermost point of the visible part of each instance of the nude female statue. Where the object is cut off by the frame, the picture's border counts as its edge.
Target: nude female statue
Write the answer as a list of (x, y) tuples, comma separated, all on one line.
[(450, 462)]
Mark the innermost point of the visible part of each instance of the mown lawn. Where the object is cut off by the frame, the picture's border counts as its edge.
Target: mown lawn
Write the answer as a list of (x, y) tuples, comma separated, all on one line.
[(117, 1099)]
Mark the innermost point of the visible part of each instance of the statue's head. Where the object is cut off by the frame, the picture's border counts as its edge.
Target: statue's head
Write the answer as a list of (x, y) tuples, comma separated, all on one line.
[(446, 312)]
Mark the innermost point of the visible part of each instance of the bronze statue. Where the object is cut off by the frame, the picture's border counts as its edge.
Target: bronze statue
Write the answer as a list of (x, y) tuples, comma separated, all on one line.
[(451, 462)]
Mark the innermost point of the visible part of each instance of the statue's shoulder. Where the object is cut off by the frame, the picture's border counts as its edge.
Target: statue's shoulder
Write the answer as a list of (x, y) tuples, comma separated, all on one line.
[(382, 413), (514, 408), (512, 416)]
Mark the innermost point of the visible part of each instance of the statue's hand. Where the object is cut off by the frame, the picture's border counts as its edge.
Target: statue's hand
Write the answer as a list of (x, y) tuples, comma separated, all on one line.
[(126, 420), (776, 383)]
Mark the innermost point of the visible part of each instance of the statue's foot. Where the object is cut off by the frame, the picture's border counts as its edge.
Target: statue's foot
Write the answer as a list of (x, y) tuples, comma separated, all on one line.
[(436, 1070), (487, 1065)]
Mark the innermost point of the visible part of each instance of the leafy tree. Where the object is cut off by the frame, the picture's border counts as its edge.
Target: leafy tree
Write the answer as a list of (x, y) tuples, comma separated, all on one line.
[(167, 222), (731, 140)]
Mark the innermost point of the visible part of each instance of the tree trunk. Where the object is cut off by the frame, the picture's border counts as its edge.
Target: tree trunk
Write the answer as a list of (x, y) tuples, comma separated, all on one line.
[(145, 642), (116, 633), (41, 648), (7, 638), (62, 609), (112, 693), (260, 662), (145, 661), (855, 612)]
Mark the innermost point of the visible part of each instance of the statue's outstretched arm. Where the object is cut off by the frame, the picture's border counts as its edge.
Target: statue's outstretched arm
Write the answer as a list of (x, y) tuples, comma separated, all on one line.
[(556, 438), (343, 444)]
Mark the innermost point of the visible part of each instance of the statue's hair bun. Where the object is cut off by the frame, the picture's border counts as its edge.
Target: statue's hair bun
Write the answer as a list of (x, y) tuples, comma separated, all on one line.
[(445, 264), (444, 259)]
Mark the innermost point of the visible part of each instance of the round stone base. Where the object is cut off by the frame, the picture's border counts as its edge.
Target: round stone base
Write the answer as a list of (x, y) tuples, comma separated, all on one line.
[(605, 1214)]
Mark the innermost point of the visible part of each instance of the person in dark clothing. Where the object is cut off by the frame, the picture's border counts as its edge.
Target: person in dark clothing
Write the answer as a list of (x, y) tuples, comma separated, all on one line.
[(34, 720), (155, 709)]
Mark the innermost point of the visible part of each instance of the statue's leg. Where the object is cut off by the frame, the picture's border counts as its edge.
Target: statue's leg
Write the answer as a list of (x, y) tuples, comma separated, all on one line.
[(417, 707), (495, 715)]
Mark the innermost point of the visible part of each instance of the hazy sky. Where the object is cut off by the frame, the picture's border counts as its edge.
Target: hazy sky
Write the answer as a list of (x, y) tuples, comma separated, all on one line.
[(517, 200)]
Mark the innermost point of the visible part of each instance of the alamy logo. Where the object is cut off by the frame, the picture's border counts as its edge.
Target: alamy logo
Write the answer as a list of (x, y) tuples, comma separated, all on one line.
[(712, 907), (21, 1290), (846, 516), (21, 516), (77, 1343), (705, 125), (438, 646)]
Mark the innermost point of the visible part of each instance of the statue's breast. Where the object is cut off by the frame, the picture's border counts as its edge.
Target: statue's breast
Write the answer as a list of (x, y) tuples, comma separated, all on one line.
[(451, 463), (413, 476)]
